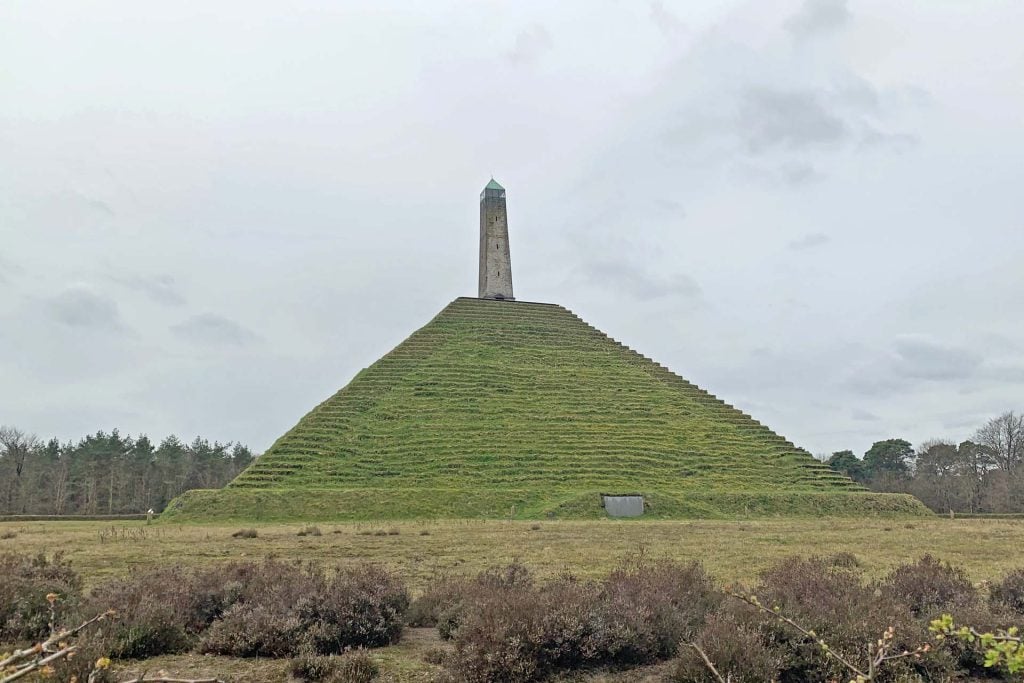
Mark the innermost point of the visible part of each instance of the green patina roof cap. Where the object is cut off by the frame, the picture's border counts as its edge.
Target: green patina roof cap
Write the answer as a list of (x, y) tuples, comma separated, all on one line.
[(493, 185)]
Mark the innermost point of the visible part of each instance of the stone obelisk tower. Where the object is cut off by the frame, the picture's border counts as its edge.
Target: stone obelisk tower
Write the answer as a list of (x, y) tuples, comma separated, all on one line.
[(495, 260)]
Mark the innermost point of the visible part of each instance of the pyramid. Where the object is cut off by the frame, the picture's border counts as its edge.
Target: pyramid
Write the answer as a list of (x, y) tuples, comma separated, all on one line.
[(499, 408), (503, 408)]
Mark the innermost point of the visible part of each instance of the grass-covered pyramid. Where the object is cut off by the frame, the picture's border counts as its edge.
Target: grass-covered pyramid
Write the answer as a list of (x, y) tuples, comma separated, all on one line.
[(499, 408)]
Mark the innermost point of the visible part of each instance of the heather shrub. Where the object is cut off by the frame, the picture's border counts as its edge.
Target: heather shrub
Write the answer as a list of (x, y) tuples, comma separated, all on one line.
[(286, 609), (1009, 593), (361, 606), (245, 533), (815, 588), (645, 609), (164, 610), (90, 646), (151, 611), (511, 630), (313, 667), (523, 633), (355, 667), (736, 647), (25, 581), (442, 603), (253, 630), (441, 594), (929, 586), (262, 620), (847, 613)]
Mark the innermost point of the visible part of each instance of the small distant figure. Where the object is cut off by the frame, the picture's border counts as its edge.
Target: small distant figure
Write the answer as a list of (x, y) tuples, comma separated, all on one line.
[(149, 515)]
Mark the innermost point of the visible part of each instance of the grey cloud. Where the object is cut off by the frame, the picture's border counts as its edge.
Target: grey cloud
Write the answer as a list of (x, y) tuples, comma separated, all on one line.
[(790, 175), (965, 422), (667, 22), (83, 308), (818, 16), (159, 288), (864, 416), (858, 94), (789, 119), (814, 239), (871, 381), (912, 362), (894, 142), (797, 174), (921, 357), (531, 43), (802, 120), (97, 205), (8, 268), (1012, 373), (668, 208), (211, 329), (638, 281)]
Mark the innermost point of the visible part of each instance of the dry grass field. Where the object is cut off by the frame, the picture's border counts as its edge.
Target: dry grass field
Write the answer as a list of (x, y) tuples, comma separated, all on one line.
[(731, 550)]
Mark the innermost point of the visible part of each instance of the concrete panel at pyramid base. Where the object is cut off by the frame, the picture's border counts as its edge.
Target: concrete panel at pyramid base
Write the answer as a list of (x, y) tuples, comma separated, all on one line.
[(623, 506)]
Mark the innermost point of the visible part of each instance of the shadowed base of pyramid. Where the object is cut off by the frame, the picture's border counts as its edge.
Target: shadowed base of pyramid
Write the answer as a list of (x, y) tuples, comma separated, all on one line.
[(332, 505), (497, 408)]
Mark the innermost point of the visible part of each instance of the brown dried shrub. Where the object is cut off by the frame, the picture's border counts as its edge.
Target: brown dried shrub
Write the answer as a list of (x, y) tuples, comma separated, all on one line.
[(734, 644), (441, 604), (512, 630), (163, 610), (355, 667), (1009, 592), (313, 667), (646, 608), (286, 609), (836, 602), (929, 586), (25, 581)]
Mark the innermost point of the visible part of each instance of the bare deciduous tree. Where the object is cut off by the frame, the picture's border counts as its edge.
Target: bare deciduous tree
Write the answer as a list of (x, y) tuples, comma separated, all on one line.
[(1003, 437), (15, 448), (16, 445)]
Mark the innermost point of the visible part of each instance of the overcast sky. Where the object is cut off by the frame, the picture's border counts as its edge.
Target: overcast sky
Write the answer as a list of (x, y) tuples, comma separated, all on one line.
[(213, 214)]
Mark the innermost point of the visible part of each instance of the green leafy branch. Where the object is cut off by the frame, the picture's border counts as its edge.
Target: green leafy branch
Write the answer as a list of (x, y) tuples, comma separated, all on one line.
[(1004, 647)]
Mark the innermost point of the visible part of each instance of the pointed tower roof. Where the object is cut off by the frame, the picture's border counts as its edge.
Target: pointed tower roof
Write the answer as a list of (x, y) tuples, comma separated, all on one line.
[(493, 185)]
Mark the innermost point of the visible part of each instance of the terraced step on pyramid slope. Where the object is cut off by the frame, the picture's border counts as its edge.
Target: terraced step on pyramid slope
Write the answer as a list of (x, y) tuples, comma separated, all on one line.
[(498, 408)]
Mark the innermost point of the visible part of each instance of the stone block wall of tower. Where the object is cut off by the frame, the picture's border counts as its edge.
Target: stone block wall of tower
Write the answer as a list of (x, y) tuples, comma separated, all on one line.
[(495, 259)]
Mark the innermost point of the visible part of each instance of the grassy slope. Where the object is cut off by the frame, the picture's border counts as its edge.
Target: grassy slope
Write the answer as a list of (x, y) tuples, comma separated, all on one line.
[(498, 408)]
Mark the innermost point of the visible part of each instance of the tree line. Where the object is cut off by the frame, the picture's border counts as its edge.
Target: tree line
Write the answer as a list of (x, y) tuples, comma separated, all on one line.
[(106, 473), (984, 474)]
